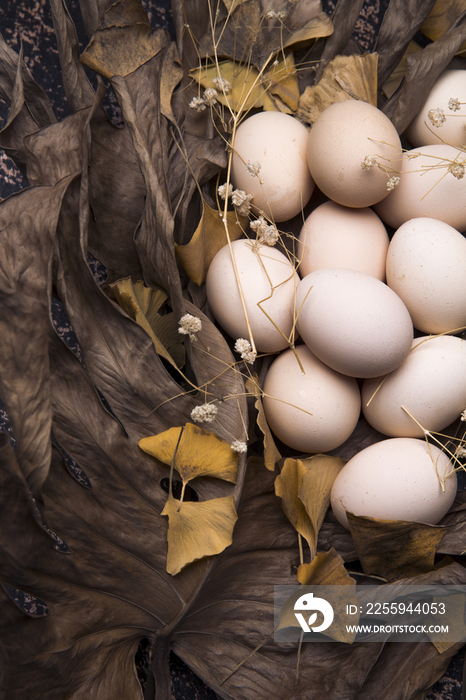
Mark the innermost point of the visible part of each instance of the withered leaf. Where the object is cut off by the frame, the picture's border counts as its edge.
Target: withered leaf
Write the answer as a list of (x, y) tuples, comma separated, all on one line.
[(249, 89), (199, 453), (344, 19), (314, 492), (327, 568), (271, 453), (400, 23), (394, 549), (251, 35), (142, 304), (28, 222), (441, 18), (124, 41), (207, 240), (423, 69), (79, 91), (344, 78), (397, 75), (304, 487), (197, 530)]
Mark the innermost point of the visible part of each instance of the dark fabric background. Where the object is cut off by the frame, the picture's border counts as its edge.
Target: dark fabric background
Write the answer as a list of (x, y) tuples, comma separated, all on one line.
[(29, 22)]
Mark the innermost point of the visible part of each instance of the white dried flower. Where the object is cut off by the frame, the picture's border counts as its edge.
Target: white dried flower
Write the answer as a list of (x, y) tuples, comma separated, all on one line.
[(223, 191), (457, 169), (190, 325), (368, 162), (460, 452), (258, 225), (222, 84), (241, 201), (269, 235), (198, 104), (210, 96), (454, 104), (253, 168), (463, 415), (392, 182), (436, 116), (273, 14), (244, 348), (238, 446), (205, 413)]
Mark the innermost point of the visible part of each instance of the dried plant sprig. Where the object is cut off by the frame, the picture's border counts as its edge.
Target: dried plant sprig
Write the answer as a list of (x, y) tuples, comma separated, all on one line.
[(436, 117), (239, 446), (243, 347)]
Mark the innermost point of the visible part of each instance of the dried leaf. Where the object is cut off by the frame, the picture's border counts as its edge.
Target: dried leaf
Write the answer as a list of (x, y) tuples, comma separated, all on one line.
[(287, 486), (251, 90), (423, 69), (250, 36), (197, 530), (314, 492), (401, 21), (124, 41), (344, 78), (344, 19), (326, 569), (395, 549), (142, 304), (395, 78), (271, 453), (207, 240), (199, 453), (441, 18), (79, 91), (28, 221)]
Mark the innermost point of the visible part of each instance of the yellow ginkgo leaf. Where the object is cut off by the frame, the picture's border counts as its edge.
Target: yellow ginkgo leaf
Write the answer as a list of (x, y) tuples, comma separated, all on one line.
[(207, 240), (271, 453), (252, 89), (142, 304), (197, 530), (199, 453)]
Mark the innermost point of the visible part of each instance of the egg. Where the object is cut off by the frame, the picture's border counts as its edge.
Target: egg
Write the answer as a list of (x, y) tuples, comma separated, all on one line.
[(430, 384), (345, 135), (337, 236), (428, 188), (426, 265), (274, 144), (311, 411), (353, 322), (268, 282), (443, 104), (395, 479)]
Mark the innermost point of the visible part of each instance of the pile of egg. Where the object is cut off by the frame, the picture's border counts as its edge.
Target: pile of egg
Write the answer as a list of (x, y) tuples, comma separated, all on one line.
[(366, 311)]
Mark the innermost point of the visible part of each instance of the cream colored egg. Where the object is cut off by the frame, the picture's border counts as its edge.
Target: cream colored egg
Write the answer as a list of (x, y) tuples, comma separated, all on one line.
[(337, 236), (395, 479), (426, 266), (275, 145), (344, 135), (268, 282), (314, 411), (428, 188), (353, 322), (430, 385), (444, 106)]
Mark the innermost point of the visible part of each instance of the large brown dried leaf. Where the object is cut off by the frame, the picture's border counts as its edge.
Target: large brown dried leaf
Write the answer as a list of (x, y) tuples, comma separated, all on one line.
[(344, 19), (393, 81), (394, 549), (249, 36), (344, 78), (401, 21), (423, 69), (79, 91), (207, 240), (443, 15), (28, 223), (124, 40), (29, 110)]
